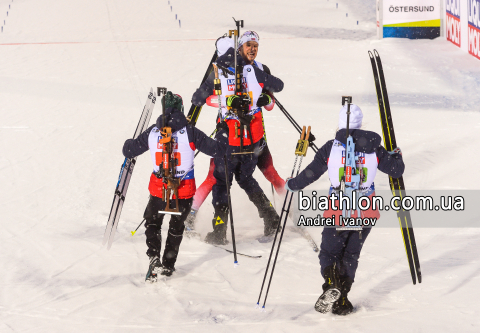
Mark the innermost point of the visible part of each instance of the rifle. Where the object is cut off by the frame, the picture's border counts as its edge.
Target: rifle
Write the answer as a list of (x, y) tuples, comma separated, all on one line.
[(352, 175), (167, 169), (242, 112)]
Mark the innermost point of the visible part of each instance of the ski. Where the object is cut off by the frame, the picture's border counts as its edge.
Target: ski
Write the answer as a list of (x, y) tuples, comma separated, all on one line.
[(194, 111), (192, 234), (309, 239), (230, 251), (396, 184), (126, 171)]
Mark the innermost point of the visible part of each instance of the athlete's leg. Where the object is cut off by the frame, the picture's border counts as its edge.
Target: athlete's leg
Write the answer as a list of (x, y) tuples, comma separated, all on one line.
[(265, 164)]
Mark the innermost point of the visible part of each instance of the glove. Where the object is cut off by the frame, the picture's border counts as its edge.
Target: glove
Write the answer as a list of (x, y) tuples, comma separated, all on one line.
[(227, 59), (237, 102), (244, 119), (311, 138), (264, 100), (222, 126), (286, 185), (396, 151)]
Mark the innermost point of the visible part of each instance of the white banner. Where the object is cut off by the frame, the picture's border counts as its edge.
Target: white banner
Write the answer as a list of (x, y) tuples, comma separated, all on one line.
[(407, 11)]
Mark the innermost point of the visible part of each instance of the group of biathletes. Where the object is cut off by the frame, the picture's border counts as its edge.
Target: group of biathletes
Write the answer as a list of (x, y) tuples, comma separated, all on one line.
[(339, 250)]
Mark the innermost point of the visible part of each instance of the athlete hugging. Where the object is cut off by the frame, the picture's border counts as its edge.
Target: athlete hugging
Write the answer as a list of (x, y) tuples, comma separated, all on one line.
[(240, 145)]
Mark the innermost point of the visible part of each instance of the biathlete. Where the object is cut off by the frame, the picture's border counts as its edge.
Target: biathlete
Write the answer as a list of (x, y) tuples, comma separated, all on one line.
[(340, 249), (186, 139), (256, 81)]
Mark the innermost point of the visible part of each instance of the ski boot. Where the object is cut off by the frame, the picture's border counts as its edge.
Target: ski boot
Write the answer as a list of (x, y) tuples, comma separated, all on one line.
[(342, 307), (266, 212), (154, 268), (167, 271), (219, 234), (331, 290)]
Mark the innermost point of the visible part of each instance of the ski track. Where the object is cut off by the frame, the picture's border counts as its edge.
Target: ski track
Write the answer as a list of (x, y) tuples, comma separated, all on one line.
[(75, 75)]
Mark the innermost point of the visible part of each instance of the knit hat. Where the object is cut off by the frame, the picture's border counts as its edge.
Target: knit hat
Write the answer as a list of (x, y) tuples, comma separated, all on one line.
[(355, 120), (248, 36), (173, 101)]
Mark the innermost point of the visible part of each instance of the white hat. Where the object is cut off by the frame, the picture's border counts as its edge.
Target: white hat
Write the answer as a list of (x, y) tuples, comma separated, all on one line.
[(356, 117), (223, 44), (248, 36)]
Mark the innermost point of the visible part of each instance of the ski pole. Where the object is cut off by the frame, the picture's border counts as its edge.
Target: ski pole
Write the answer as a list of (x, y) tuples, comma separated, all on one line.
[(133, 232), (301, 150), (275, 238), (292, 121), (235, 262)]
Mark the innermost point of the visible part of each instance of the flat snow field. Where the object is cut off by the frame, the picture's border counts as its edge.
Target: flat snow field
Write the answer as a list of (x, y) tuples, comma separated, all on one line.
[(74, 76)]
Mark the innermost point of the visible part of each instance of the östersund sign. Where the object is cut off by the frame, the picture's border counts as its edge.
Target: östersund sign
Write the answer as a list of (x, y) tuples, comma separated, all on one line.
[(411, 18), (453, 22), (474, 27)]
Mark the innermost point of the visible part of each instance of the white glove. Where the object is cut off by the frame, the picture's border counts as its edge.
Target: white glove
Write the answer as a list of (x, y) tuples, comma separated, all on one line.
[(286, 185), (396, 151)]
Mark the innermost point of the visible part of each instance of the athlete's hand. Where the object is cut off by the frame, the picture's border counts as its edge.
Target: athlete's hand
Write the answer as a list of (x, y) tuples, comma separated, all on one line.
[(222, 126), (286, 185), (237, 102), (264, 100), (244, 119), (396, 151)]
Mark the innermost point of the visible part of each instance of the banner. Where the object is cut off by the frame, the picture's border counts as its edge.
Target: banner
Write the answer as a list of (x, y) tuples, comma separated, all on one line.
[(411, 18), (474, 27), (453, 22)]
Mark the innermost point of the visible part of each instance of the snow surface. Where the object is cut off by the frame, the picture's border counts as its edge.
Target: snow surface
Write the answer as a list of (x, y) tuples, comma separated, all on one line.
[(74, 77)]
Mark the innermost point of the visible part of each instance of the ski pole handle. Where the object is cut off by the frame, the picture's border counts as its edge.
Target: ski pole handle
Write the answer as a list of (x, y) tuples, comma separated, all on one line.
[(302, 145), (308, 133)]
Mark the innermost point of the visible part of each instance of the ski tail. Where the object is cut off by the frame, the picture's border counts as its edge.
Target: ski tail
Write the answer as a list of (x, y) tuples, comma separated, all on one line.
[(396, 184), (194, 111), (146, 114), (309, 239), (126, 171)]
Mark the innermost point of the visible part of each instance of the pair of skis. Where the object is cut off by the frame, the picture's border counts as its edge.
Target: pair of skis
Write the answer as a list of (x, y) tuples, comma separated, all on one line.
[(194, 111), (396, 184), (125, 174)]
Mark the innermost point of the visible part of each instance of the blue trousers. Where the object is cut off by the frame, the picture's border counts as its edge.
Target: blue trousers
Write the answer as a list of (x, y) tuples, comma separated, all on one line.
[(242, 166), (343, 248)]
